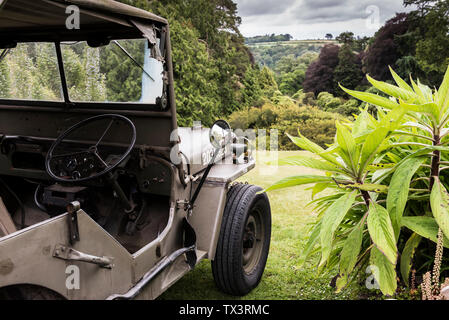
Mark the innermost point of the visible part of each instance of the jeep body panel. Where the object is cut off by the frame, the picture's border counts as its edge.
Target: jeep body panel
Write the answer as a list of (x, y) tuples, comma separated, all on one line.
[(29, 256)]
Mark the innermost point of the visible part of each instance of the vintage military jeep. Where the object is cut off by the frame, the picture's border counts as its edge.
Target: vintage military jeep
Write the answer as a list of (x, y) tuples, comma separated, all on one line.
[(102, 196)]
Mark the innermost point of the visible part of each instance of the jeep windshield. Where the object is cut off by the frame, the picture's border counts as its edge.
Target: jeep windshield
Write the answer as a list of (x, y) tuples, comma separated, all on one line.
[(117, 71)]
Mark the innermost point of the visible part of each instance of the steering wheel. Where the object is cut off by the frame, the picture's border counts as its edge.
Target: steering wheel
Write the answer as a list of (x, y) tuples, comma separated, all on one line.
[(87, 164)]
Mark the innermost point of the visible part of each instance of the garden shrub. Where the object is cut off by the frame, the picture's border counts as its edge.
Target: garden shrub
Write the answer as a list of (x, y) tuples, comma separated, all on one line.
[(388, 205), (288, 117)]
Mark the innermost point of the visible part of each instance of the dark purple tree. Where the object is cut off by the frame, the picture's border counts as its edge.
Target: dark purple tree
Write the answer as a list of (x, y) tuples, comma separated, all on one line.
[(320, 74), (385, 49)]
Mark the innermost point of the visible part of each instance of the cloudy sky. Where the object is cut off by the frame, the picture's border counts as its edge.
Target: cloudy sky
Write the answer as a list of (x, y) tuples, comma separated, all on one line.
[(312, 19)]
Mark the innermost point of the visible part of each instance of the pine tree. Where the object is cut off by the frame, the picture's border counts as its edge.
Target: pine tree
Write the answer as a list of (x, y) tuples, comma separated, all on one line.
[(5, 83)]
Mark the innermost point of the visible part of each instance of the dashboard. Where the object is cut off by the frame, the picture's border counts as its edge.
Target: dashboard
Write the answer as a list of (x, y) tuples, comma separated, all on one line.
[(25, 157)]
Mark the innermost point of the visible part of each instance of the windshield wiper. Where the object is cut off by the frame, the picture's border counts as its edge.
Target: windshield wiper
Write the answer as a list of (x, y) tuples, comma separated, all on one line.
[(132, 58), (4, 54)]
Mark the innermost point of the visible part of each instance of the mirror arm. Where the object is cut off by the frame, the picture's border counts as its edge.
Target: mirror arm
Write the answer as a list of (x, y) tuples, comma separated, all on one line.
[(203, 180)]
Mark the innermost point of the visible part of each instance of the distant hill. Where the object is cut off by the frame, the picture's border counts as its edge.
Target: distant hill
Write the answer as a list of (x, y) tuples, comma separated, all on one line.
[(268, 38), (269, 53)]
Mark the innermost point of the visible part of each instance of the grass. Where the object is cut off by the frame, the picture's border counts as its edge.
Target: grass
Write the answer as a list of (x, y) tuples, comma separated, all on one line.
[(283, 279)]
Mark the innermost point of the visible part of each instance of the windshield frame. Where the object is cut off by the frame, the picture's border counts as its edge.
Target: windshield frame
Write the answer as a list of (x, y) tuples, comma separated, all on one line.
[(113, 106)]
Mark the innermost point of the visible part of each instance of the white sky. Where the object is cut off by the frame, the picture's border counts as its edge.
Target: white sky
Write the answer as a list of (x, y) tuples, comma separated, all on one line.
[(313, 19)]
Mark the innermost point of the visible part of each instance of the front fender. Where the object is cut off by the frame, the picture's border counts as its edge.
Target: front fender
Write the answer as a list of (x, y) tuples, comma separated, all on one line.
[(26, 257)]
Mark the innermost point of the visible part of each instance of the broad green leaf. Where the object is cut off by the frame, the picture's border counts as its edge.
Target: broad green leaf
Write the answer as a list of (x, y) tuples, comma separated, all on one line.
[(393, 119), (382, 232), (373, 99), (428, 108), (418, 91), (381, 174), (419, 153), (443, 93), (371, 146), (407, 256), (347, 143), (309, 162), (384, 272), (313, 240), (426, 91), (393, 90), (380, 166), (426, 227), (341, 283), (349, 254), (308, 145), (319, 187), (417, 126), (400, 82), (398, 191), (297, 181), (378, 188), (332, 218), (439, 202), (362, 124)]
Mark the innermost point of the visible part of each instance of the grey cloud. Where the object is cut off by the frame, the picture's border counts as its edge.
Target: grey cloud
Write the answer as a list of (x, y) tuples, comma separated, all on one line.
[(249, 8), (310, 19), (316, 11)]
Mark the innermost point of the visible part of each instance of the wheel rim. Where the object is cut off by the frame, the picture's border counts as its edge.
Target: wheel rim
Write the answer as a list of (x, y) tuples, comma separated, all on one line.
[(253, 240)]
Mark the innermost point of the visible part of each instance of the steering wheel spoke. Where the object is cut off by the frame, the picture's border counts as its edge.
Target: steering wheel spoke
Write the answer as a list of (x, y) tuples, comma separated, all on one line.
[(67, 155)]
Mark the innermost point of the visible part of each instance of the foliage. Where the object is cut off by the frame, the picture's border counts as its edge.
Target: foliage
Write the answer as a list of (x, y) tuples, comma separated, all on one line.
[(287, 116), (348, 72), (196, 88), (385, 50), (345, 37), (320, 74), (269, 54), (327, 101), (356, 43), (210, 59), (269, 38), (291, 72), (385, 171), (5, 82), (432, 51), (30, 72), (124, 78)]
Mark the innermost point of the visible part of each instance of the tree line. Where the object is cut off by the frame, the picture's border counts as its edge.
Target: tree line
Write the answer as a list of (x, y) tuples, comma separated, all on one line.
[(269, 38), (217, 74)]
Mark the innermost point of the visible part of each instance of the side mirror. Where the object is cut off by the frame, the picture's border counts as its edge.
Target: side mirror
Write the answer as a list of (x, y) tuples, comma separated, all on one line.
[(220, 134)]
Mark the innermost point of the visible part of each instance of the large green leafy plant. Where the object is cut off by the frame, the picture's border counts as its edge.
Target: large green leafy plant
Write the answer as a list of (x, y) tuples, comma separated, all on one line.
[(386, 174)]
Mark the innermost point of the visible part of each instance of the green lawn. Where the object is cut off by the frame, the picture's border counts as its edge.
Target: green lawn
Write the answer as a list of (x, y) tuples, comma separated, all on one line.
[(283, 279)]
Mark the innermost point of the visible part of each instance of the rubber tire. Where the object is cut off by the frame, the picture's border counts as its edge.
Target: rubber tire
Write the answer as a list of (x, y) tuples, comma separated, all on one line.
[(227, 267)]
